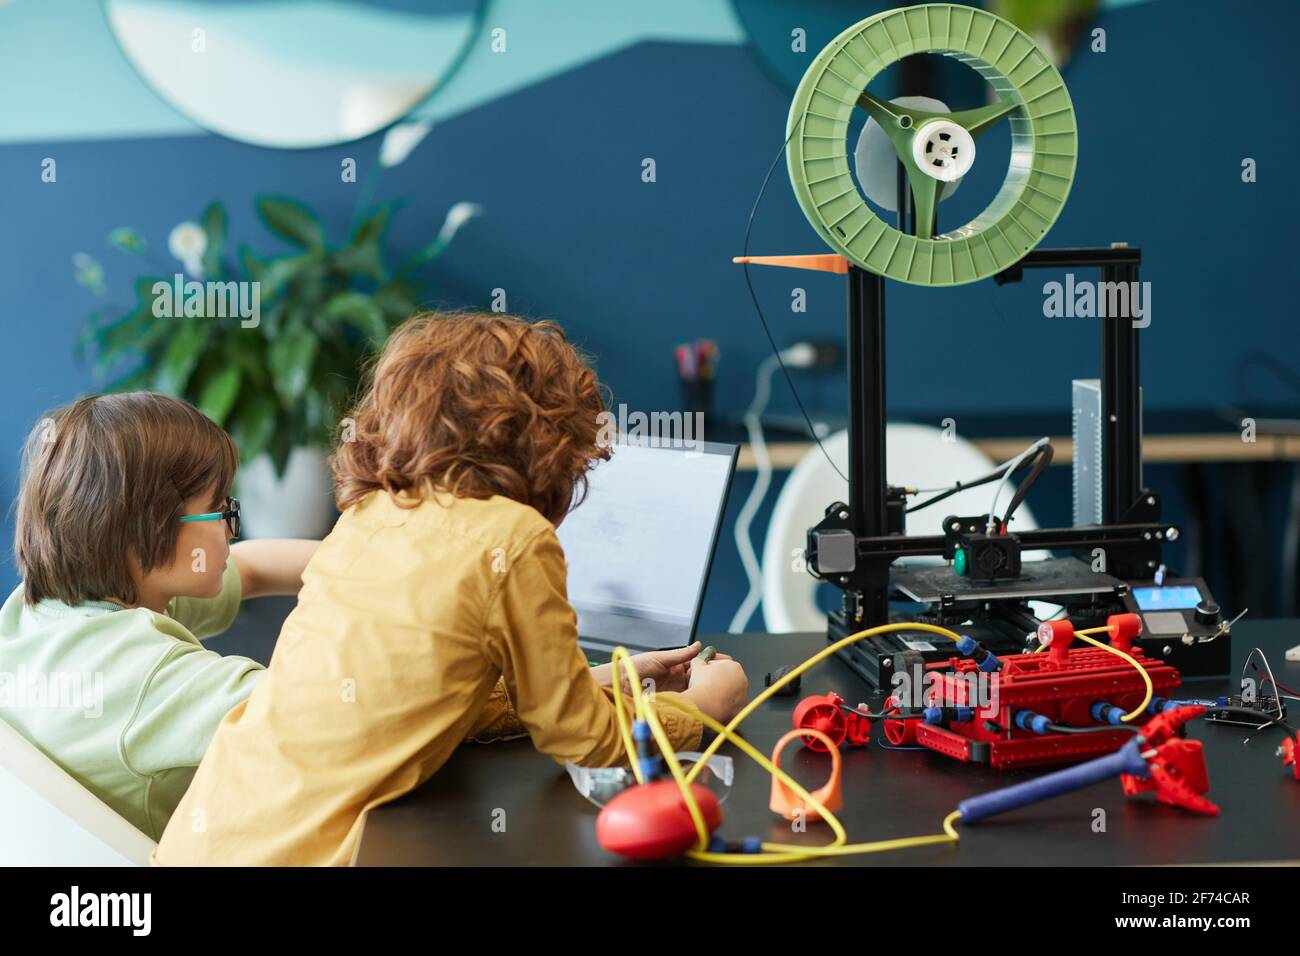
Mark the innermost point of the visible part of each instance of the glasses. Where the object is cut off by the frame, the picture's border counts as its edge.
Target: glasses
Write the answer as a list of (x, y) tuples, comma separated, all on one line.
[(229, 514)]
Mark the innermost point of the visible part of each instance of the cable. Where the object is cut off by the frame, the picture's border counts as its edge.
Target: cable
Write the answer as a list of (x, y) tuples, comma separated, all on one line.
[(960, 486), (1252, 716), (772, 852), (1140, 709), (1041, 461), (763, 467), (998, 472), (1062, 729), (749, 226), (1006, 476)]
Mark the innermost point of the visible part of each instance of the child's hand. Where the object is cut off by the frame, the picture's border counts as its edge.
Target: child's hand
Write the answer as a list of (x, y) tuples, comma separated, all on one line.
[(719, 688), (670, 670)]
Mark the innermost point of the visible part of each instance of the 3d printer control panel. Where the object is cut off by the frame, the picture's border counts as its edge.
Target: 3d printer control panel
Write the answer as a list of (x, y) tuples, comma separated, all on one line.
[(1177, 609)]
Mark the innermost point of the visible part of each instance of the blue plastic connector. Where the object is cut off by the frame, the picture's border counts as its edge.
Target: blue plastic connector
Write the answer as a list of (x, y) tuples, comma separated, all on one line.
[(1028, 720), (646, 755), (985, 661), (1105, 713), (937, 715), (751, 844)]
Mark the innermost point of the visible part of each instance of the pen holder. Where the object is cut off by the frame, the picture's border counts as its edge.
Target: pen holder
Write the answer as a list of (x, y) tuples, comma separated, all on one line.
[(698, 395)]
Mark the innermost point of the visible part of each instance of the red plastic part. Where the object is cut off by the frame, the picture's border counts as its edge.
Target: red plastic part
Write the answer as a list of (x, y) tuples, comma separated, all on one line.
[(786, 803), (1127, 629), (1177, 769), (1058, 636), (1290, 754), (652, 821), (824, 712), (1063, 691), (900, 733)]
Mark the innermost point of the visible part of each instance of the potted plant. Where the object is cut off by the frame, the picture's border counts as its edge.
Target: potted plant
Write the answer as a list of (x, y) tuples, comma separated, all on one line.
[(270, 348)]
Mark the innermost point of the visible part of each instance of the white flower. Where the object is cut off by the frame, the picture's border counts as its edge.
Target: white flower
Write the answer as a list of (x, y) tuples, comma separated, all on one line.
[(457, 216), (400, 140), (187, 243)]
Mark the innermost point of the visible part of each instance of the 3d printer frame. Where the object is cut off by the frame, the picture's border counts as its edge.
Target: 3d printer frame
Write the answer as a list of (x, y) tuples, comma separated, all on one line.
[(1130, 534)]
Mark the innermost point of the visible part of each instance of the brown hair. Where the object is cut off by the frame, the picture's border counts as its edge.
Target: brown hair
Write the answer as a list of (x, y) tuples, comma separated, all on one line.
[(476, 405), (104, 480)]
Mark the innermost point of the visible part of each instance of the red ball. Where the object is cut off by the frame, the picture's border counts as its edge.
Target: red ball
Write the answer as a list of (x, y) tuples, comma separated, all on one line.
[(652, 821)]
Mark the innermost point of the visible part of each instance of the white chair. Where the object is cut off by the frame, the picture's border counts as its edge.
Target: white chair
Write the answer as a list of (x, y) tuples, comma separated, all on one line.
[(917, 456), (48, 819)]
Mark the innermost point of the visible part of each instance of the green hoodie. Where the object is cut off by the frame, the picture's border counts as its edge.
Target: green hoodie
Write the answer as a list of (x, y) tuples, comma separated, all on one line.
[(126, 700)]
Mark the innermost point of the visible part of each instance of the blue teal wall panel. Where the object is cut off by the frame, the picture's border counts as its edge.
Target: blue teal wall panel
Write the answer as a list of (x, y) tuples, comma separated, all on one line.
[(572, 233)]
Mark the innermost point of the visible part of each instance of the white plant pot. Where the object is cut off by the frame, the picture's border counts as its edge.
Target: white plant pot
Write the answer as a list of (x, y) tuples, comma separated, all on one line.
[(298, 505)]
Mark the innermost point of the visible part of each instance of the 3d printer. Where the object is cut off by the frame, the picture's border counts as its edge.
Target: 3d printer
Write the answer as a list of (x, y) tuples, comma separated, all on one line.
[(1113, 554)]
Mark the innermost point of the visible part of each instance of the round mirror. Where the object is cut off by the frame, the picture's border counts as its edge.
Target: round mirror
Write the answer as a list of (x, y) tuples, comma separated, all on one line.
[(294, 73)]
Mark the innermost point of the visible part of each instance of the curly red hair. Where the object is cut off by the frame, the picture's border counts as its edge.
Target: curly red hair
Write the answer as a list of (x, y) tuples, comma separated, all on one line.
[(475, 404)]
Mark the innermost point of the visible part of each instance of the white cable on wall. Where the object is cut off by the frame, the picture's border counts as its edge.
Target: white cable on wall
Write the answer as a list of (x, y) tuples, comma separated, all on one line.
[(797, 356)]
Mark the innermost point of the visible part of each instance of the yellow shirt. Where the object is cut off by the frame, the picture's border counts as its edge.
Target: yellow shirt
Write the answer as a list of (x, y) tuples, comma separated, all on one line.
[(407, 620)]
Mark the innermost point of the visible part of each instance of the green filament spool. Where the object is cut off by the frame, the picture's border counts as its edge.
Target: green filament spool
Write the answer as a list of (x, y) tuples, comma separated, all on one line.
[(934, 148)]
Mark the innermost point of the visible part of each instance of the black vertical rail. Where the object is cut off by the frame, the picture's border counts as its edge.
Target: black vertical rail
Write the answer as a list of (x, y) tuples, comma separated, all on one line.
[(866, 347), (1121, 408), (906, 212)]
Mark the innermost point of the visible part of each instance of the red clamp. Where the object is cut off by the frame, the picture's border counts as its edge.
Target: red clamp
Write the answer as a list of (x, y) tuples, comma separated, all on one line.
[(826, 713), (1290, 754), (1175, 766)]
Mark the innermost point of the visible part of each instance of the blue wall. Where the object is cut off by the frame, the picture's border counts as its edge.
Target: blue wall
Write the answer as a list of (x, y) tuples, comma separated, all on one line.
[(1166, 115)]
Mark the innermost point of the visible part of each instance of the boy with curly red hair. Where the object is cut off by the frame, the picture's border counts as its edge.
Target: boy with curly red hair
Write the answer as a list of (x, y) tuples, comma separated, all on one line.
[(436, 610)]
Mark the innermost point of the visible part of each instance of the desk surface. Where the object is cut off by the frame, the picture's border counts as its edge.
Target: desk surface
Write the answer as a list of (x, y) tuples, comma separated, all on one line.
[(449, 820)]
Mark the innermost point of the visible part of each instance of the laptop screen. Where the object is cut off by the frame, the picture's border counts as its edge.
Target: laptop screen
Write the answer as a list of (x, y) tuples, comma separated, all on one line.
[(640, 546)]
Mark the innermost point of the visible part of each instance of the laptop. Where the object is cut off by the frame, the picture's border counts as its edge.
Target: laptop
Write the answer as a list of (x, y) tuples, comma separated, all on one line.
[(640, 546)]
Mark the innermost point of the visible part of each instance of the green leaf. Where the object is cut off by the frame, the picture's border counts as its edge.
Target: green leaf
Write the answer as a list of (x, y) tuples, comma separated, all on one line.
[(397, 299), (249, 353), (128, 240), (133, 334), (144, 294), (364, 260), (430, 252), (213, 221), (275, 274), (182, 354), (361, 312), (374, 226), (254, 425), (291, 220), (219, 393), (290, 357)]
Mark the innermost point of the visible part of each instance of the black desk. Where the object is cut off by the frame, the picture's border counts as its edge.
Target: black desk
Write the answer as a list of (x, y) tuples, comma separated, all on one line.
[(449, 821)]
